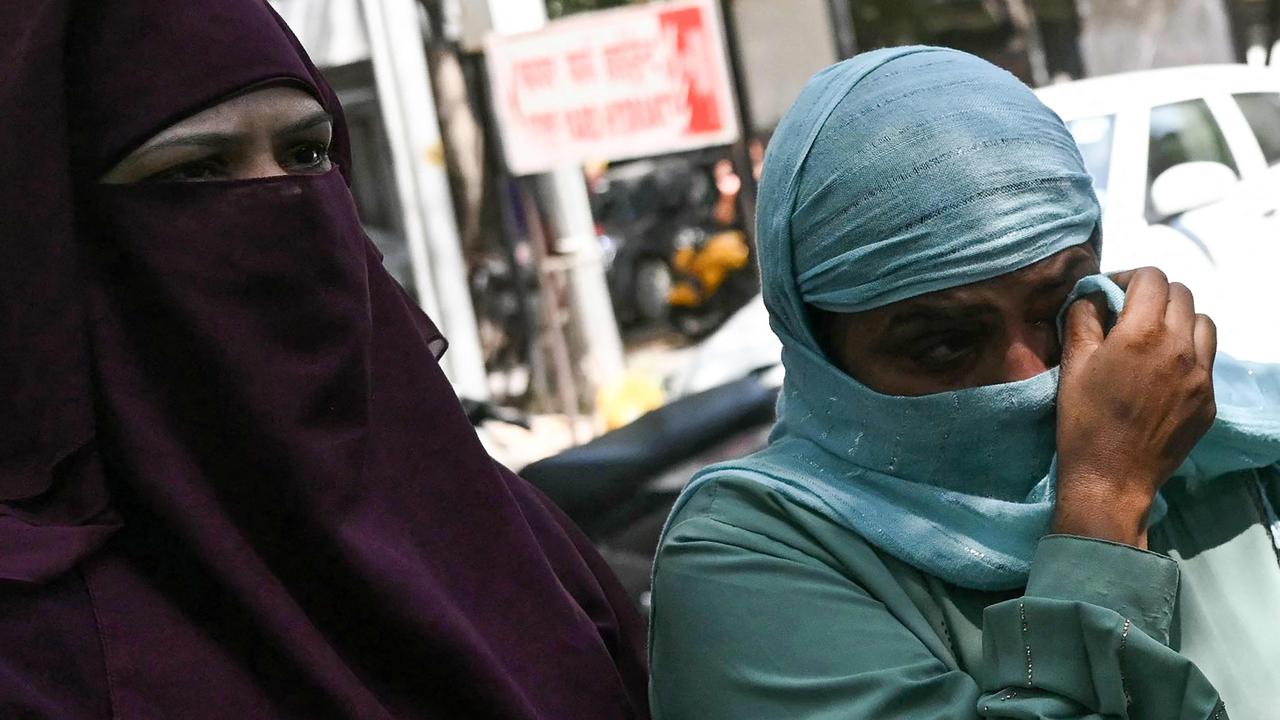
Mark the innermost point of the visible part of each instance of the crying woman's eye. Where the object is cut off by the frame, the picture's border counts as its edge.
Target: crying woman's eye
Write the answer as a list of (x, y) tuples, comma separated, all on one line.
[(943, 354)]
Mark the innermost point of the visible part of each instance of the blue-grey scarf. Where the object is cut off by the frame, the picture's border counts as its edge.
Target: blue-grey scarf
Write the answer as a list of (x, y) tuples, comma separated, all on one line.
[(897, 173)]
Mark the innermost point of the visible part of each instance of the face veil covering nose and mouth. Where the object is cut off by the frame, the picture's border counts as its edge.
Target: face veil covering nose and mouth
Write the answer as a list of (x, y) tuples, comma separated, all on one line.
[(900, 172), (247, 489)]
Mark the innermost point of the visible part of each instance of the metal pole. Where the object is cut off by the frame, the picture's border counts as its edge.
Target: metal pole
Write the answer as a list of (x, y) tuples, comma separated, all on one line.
[(741, 149), (1236, 28), (569, 214), (553, 336), (842, 25), (1023, 18), (409, 112), (564, 191), (1273, 31)]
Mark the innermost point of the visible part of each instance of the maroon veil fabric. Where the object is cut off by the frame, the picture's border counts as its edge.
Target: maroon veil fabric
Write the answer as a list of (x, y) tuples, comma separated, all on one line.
[(234, 481)]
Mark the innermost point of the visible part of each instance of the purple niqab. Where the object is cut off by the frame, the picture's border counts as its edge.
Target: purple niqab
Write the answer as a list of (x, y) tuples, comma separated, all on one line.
[(234, 481)]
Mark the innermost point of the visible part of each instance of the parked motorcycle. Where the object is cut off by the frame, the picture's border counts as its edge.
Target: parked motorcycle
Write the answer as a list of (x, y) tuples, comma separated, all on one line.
[(713, 279), (640, 210)]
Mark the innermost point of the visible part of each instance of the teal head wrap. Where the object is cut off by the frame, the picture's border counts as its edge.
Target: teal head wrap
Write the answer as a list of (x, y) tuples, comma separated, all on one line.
[(897, 173)]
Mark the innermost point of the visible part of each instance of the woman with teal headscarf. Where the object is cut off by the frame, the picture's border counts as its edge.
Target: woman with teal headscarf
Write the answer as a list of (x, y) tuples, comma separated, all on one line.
[(946, 523)]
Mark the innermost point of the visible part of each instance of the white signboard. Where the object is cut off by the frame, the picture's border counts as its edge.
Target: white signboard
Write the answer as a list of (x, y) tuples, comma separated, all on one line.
[(610, 85)]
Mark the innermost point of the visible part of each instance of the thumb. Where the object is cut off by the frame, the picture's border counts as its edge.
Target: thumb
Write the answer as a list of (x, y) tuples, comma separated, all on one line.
[(1082, 332)]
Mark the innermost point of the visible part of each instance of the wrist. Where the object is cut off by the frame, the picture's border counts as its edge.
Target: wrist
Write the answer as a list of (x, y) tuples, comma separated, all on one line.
[(1104, 513), (1121, 531)]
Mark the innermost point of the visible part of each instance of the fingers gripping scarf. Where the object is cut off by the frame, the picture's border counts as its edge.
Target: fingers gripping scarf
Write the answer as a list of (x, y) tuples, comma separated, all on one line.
[(897, 173)]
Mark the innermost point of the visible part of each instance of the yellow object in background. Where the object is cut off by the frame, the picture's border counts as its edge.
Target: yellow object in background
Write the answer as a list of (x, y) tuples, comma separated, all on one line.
[(630, 396), (707, 267)]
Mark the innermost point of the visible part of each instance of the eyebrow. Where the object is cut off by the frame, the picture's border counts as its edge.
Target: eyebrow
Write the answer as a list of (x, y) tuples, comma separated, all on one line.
[(933, 312), (220, 140), (922, 315), (320, 117), (209, 140)]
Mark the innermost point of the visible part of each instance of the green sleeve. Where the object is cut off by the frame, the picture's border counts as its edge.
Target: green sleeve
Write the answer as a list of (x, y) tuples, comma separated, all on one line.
[(745, 626), (1089, 638)]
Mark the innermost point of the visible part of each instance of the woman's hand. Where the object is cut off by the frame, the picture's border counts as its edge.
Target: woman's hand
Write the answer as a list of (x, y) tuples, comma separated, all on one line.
[(1130, 405)]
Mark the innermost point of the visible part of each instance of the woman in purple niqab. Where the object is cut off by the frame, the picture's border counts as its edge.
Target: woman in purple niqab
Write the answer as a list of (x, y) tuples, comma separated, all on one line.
[(234, 481)]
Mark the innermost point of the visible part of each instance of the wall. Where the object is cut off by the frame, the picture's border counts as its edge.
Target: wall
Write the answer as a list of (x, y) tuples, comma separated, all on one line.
[(783, 44), (1122, 35)]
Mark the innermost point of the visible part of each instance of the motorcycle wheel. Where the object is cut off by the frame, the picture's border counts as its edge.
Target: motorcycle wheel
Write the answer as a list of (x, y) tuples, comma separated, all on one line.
[(652, 286)]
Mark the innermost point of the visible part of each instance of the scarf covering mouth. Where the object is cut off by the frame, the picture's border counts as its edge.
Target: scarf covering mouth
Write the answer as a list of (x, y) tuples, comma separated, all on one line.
[(897, 173)]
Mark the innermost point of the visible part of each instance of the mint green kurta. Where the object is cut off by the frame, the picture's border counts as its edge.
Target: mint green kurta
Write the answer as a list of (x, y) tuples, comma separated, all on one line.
[(764, 609)]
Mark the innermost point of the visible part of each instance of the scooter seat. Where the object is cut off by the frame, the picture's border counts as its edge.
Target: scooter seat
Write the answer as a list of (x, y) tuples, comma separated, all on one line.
[(594, 478)]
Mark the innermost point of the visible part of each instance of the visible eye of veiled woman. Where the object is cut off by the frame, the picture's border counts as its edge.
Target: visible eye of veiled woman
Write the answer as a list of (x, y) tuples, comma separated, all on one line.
[(202, 170), (309, 157)]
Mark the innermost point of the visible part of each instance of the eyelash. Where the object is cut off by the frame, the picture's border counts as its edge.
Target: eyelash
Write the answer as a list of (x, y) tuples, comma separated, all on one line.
[(187, 171), (195, 170)]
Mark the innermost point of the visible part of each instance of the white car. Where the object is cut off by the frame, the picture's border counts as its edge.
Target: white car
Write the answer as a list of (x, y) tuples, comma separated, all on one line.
[(1186, 163)]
